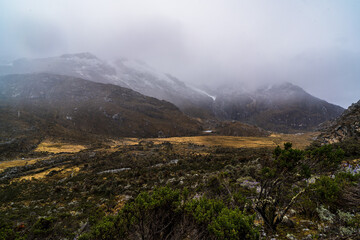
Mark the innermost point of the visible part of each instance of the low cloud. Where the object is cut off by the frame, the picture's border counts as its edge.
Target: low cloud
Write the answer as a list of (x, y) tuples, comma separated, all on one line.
[(311, 43)]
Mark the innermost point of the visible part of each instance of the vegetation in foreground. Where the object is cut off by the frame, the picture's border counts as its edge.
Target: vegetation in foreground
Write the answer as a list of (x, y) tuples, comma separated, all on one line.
[(183, 191)]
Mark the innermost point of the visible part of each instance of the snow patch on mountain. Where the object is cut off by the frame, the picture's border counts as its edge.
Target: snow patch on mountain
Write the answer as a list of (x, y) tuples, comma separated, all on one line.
[(205, 93)]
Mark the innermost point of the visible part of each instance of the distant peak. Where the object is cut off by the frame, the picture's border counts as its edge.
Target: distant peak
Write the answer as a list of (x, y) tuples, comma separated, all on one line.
[(84, 55), (288, 86)]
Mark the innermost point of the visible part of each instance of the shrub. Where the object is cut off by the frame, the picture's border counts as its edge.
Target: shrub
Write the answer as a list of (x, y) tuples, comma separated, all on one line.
[(149, 216), (233, 224), (43, 226), (277, 177), (166, 213), (351, 147), (326, 190), (105, 229), (325, 214), (292, 167), (6, 231), (204, 210), (327, 157)]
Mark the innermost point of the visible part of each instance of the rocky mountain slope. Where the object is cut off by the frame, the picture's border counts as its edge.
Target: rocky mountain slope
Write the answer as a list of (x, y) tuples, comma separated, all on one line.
[(132, 74), (48, 104), (283, 107), (144, 79), (346, 127)]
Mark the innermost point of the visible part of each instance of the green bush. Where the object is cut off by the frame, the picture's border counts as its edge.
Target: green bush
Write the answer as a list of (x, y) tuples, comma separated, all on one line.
[(354, 221), (288, 158), (146, 216), (43, 226), (222, 222), (6, 231), (292, 167), (166, 212), (326, 190), (327, 156), (105, 229), (233, 224), (204, 210), (351, 147)]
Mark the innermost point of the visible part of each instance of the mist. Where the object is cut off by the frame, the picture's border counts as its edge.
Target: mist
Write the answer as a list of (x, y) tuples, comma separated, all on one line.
[(314, 44)]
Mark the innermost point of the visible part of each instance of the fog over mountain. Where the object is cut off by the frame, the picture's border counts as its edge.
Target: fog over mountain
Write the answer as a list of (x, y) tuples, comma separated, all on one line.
[(282, 107), (313, 44)]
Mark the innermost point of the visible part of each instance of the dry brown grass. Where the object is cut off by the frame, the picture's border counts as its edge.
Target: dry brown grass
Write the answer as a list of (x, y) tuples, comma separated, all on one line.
[(299, 140), (22, 162), (45, 146), (58, 147), (64, 171)]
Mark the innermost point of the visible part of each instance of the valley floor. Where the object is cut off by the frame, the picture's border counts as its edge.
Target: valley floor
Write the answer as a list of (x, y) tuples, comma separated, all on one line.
[(62, 190), (300, 140)]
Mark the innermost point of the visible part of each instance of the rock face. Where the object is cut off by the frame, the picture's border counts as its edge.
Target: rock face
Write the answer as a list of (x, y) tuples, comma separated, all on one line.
[(345, 127), (55, 104), (283, 107)]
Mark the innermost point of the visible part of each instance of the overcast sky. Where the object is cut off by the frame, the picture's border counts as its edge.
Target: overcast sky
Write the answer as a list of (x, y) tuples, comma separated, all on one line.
[(314, 44)]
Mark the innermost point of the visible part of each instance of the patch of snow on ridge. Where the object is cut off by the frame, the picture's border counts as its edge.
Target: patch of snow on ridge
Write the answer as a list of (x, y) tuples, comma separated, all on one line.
[(205, 93)]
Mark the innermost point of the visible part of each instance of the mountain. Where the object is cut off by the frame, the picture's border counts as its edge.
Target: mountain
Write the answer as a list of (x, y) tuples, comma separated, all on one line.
[(346, 127), (146, 80), (283, 107), (132, 74), (61, 106), (82, 65)]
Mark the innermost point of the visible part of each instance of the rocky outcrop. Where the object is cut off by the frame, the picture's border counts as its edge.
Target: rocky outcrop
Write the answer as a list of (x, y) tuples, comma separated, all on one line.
[(345, 127)]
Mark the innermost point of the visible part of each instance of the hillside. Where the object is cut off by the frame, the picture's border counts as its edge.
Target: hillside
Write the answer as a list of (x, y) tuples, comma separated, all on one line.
[(39, 105), (282, 108), (142, 78), (132, 74), (344, 128)]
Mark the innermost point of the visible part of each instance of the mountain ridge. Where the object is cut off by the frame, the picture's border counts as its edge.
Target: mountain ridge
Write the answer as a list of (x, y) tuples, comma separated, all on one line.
[(279, 107), (123, 72), (42, 105)]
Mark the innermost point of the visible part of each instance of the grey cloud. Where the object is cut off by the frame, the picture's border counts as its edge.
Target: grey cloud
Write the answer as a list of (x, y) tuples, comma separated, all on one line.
[(311, 43), (40, 37)]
